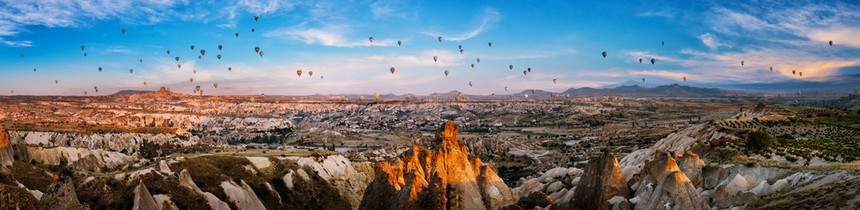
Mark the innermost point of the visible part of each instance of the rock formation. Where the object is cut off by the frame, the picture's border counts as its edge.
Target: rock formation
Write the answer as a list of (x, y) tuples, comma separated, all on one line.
[(601, 182), (663, 184), (143, 199), (442, 179), (6, 153), (60, 195)]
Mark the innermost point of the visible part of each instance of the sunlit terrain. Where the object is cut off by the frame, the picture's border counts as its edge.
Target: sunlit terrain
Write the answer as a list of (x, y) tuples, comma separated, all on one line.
[(429, 105)]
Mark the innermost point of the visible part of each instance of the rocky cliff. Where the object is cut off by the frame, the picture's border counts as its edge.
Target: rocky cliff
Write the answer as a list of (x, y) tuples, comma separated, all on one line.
[(601, 182), (444, 178), (6, 153)]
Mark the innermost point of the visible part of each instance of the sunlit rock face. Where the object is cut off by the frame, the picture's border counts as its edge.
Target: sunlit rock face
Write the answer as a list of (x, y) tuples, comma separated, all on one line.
[(663, 184), (601, 182), (442, 179), (6, 153)]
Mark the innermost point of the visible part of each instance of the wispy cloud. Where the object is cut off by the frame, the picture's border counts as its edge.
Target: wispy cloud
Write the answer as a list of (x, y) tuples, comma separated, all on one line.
[(710, 40), (331, 35), (24, 43), (488, 20), (663, 14)]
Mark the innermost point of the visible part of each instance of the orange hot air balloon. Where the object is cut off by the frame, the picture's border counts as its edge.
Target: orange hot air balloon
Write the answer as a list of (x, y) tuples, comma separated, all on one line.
[(376, 95), (742, 63), (299, 72), (361, 98), (771, 68), (144, 83), (506, 88), (195, 71), (801, 74), (793, 72), (685, 78), (392, 70), (435, 58), (191, 80), (256, 49), (338, 100)]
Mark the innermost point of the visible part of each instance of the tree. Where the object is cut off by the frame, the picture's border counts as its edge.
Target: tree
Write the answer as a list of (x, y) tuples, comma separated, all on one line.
[(759, 140)]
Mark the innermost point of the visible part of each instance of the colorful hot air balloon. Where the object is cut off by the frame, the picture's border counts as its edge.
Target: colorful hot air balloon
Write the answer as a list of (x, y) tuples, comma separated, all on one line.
[(376, 95), (361, 98), (191, 80), (399, 42), (131, 71), (525, 72), (478, 59), (218, 56), (533, 90), (771, 68), (256, 17), (473, 65), (653, 61), (604, 54), (219, 47), (178, 66), (177, 58), (144, 83), (435, 58), (461, 51), (257, 49), (199, 57), (261, 53), (168, 52), (529, 69), (195, 71), (310, 73), (506, 88), (299, 72), (643, 79), (446, 72), (685, 78), (216, 85), (192, 47), (742, 63), (800, 73), (85, 54), (56, 81), (460, 47), (202, 52), (793, 72), (370, 39), (392, 70)]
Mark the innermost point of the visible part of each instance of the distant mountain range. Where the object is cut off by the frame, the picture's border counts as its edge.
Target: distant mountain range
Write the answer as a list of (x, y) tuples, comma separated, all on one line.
[(131, 92)]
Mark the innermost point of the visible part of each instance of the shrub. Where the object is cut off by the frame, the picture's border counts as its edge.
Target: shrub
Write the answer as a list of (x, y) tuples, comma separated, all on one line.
[(759, 140)]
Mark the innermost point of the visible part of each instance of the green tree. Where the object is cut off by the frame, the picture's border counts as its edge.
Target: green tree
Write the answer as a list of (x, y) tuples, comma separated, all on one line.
[(759, 140)]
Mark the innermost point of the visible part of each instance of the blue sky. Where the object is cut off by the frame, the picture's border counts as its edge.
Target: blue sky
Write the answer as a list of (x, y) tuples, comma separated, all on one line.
[(705, 41)]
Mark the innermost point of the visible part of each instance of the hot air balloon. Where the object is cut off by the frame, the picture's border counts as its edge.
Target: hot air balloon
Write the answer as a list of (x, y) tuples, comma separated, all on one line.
[(800, 73), (96, 88), (494, 95), (11, 92), (640, 60), (131, 71), (525, 72), (435, 58), (202, 52), (299, 72), (144, 83), (506, 88), (85, 92), (256, 17), (100, 69), (771, 68), (195, 71), (490, 44), (56, 81), (376, 95), (177, 58), (197, 88), (34, 69), (653, 61), (554, 81), (663, 43), (793, 72), (473, 65), (446, 72), (529, 69), (322, 77), (252, 30), (831, 42), (178, 66), (470, 83), (855, 90), (604, 54), (370, 39), (399, 42), (742, 63), (82, 47), (533, 90), (460, 47), (237, 34), (85, 54), (192, 47), (643, 80), (216, 85), (219, 47), (141, 60), (168, 52), (199, 57), (440, 39), (461, 51), (229, 68), (479, 60), (310, 73), (685, 78), (22, 55), (361, 98), (218, 56), (257, 49), (261, 53), (392, 70), (123, 30), (511, 67)]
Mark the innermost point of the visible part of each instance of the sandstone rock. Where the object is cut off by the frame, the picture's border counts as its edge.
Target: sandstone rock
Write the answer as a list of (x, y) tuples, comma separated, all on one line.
[(601, 181), (143, 200), (692, 166), (7, 156), (442, 179), (242, 195), (214, 202), (535, 199), (663, 184), (60, 195)]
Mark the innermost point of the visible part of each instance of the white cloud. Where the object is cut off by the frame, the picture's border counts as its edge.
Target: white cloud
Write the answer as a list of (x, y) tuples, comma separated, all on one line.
[(332, 35), (664, 14), (24, 43), (488, 20), (710, 40)]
